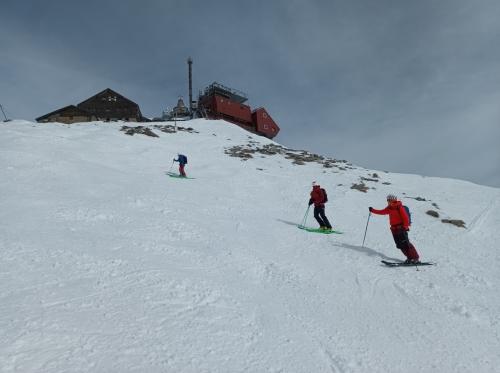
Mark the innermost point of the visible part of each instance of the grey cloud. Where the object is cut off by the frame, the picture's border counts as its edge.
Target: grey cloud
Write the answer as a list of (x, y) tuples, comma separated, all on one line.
[(358, 79)]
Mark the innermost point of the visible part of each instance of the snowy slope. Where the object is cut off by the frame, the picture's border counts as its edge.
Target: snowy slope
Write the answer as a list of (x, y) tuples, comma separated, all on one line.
[(109, 265)]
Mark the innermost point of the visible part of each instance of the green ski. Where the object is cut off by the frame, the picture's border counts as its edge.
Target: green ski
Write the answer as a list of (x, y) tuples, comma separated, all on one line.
[(177, 176), (318, 230)]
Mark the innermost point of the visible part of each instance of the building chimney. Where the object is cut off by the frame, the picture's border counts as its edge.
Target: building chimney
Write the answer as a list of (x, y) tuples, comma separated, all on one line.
[(190, 64)]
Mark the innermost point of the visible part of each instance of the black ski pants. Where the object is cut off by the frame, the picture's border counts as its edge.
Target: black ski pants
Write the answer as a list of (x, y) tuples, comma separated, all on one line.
[(401, 239), (319, 215)]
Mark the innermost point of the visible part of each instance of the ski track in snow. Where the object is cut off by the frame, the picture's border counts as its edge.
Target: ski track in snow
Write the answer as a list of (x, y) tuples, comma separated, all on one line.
[(108, 265)]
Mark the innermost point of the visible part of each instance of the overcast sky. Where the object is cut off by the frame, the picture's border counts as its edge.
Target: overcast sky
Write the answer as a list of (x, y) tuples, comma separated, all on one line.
[(405, 86)]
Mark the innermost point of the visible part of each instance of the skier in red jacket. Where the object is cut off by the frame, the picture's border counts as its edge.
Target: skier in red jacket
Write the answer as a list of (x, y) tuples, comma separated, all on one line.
[(318, 197), (400, 225)]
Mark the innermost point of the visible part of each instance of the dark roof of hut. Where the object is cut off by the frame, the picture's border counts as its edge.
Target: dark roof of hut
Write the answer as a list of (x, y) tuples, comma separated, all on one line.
[(67, 110), (110, 104)]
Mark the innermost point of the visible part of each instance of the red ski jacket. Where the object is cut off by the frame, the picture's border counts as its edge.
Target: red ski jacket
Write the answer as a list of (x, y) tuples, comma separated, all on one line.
[(397, 215), (317, 196)]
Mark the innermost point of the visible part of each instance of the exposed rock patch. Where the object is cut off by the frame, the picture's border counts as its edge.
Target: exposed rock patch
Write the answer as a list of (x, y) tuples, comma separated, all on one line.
[(368, 179), (142, 130), (432, 213), (420, 199), (298, 157), (168, 128), (361, 187), (131, 131), (455, 222)]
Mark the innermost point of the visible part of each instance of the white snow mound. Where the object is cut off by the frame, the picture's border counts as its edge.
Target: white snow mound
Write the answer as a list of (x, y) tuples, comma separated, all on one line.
[(109, 265)]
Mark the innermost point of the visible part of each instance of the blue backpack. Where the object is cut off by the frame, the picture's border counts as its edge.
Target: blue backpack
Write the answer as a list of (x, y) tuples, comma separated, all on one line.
[(325, 196), (407, 209)]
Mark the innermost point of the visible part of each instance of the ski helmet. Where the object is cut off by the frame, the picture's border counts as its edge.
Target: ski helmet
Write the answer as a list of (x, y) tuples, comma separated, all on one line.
[(392, 197)]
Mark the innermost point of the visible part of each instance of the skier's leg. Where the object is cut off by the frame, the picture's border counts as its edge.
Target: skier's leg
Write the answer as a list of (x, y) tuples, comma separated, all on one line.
[(181, 170), (324, 218), (401, 239), (412, 252), (320, 221)]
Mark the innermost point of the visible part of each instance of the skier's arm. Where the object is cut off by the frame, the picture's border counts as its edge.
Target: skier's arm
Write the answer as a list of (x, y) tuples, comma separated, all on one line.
[(311, 200), (379, 212)]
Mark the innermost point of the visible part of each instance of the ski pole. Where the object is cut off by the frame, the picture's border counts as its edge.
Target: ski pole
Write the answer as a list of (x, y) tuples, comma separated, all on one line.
[(305, 216), (172, 165), (370, 214)]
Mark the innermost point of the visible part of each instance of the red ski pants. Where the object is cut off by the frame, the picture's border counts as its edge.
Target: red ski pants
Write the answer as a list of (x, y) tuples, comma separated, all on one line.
[(181, 170), (403, 243)]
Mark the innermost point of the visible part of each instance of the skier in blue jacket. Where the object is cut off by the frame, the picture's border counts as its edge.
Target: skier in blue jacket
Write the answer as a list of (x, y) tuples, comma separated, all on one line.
[(182, 159)]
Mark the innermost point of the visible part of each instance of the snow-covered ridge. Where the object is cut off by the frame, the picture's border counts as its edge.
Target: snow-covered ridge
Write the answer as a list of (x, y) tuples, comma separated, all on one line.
[(107, 264)]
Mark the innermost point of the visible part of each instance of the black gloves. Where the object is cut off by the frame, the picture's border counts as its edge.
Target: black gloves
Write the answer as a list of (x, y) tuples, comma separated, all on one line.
[(370, 208)]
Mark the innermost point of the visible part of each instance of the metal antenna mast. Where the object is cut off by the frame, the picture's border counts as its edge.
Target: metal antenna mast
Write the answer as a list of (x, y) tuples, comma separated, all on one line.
[(190, 64), (3, 112)]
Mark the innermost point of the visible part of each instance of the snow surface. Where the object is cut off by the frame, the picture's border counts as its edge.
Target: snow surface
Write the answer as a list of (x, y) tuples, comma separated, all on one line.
[(109, 265)]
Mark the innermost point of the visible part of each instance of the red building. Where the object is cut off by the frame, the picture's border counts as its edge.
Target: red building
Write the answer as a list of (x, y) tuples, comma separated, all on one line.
[(220, 102)]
